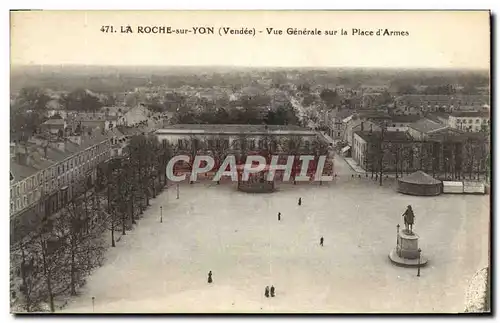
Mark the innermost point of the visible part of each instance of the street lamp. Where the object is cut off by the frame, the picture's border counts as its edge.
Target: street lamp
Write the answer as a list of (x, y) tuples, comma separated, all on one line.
[(397, 238), (161, 214), (419, 252)]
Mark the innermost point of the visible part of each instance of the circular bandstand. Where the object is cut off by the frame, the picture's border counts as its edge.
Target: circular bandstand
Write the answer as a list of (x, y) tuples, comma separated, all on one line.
[(420, 184), (256, 182)]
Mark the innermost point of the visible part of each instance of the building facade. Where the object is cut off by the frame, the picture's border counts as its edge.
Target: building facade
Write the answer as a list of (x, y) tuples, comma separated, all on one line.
[(42, 185), (229, 136), (470, 121), (421, 103)]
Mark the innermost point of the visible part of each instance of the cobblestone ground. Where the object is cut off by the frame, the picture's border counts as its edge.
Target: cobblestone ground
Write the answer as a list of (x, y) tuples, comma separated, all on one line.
[(163, 267)]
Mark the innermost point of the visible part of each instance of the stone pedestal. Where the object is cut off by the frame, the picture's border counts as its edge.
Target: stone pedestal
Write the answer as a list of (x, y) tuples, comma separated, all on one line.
[(406, 251)]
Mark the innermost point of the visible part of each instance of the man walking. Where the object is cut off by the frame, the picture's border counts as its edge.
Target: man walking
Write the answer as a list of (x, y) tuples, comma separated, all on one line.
[(279, 216), (300, 201), (321, 241)]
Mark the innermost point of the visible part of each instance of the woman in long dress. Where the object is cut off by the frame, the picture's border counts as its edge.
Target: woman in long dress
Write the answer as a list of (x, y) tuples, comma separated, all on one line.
[(210, 277)]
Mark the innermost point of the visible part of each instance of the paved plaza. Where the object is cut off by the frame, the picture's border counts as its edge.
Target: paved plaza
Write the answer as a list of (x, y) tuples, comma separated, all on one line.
[(163, 267)]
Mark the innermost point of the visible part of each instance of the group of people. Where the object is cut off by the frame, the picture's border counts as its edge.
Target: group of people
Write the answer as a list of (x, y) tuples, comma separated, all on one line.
[(321, 240), (269, 291)]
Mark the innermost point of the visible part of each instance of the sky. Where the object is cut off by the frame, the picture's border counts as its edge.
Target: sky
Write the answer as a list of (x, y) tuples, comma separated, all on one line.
[(437, 39)]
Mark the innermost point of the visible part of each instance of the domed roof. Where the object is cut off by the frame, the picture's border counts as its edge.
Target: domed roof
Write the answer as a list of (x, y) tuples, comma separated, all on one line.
[(419, 177)]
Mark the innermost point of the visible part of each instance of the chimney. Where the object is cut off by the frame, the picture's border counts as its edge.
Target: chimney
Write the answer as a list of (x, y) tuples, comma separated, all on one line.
[(21, 158), (362, 126), (21, 155)]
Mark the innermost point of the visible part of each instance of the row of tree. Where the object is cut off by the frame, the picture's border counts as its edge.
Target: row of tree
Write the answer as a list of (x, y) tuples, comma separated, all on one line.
[(54, 260), (451, 158), (282, 115), (245, 145)]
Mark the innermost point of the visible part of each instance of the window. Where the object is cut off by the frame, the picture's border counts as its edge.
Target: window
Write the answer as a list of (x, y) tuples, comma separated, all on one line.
[(477, 120), (18, 203), (25, 200), (470, 120), (11, 192), (12, 206), (58, 170)]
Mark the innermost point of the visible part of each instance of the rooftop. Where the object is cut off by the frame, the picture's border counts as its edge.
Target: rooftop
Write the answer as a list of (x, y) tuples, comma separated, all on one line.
[(39, 158), (405, 119), (426, 126), (419, 177), (370, 136), (471, 114), (232, 128), (59, 122)]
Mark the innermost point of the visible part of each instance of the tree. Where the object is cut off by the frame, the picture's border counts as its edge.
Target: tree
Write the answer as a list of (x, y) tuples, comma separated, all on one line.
[(330, 97), (81, 100), (32, 98), (406, 89), (243, 147), (282, 115), (294, 146)]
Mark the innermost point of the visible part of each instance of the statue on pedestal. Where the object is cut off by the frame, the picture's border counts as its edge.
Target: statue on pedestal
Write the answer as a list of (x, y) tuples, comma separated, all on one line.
[(409, 219), (407, 252)]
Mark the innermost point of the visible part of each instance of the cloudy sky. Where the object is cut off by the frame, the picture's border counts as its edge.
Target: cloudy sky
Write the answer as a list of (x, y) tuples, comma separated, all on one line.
[(436, 39)]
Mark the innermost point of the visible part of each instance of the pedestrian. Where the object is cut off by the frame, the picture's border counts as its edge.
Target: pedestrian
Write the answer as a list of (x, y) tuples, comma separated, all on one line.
[(321, 241), (210, 277), (279, 216), (272, 291), (266, 292), (300, 201)]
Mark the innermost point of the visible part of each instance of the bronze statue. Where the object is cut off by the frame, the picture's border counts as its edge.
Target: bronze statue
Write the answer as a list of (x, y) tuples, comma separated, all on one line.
[(409, 219)]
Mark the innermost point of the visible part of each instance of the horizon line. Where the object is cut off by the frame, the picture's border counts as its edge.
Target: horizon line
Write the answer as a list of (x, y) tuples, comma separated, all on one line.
[(256, 67)]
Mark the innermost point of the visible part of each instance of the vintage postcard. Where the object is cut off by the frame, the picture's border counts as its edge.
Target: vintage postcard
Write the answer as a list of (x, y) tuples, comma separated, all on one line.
[(250, 162)]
